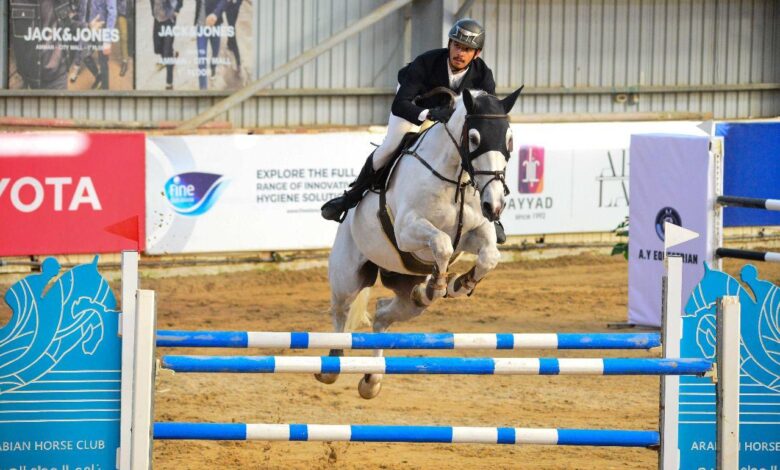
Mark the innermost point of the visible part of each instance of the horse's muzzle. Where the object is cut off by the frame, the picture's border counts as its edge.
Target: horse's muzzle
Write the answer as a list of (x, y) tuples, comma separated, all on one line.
[(491, 213)]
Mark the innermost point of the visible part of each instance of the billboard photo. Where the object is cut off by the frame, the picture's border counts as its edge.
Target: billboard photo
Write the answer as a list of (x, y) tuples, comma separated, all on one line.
[(71, 44), (197, 45)]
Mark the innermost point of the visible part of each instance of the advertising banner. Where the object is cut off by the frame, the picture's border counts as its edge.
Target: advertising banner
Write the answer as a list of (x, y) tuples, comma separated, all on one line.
[(71, 44), (195, 45), (579, 183), (247, 193), (267, 190), (671, 181), (752, 169), (71, 193)]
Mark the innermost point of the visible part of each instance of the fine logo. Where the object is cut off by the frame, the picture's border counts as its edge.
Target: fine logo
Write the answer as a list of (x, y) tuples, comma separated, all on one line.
[(531, 170), (667, 214), (194, 193)]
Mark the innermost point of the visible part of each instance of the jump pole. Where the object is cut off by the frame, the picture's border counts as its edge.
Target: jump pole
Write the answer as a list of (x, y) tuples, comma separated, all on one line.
[(496, 341)]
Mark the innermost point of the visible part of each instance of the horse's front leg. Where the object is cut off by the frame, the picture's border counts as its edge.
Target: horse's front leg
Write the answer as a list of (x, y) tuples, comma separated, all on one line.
[(482, 242), (420, 234)]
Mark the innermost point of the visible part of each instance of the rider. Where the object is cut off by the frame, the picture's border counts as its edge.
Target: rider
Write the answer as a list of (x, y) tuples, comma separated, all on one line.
[(457, 67)]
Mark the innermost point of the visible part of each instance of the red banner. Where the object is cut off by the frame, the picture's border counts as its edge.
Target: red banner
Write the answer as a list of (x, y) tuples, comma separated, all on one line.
[(71, 193)]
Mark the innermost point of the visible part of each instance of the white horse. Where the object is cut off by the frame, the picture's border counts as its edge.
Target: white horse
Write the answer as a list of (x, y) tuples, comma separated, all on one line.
[(441, 200)]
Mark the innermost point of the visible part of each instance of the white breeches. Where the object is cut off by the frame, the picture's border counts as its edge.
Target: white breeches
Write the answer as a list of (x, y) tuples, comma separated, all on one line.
[(397, 127)]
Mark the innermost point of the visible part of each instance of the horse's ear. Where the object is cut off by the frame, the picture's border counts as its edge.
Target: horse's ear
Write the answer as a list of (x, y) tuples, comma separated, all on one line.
[(509, 102), (468, 101)]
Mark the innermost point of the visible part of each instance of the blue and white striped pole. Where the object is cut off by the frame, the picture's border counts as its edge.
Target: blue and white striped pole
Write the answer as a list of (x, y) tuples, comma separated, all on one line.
[(436, 365), (767, 256), (380, 433), (750, 202), (302, 340)]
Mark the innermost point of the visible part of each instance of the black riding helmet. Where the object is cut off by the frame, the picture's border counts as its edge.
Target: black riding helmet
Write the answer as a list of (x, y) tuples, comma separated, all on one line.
[(469, 33)]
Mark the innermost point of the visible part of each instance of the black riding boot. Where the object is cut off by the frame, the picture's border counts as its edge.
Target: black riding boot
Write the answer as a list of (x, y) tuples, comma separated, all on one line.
[(336, 209), (500, 235)]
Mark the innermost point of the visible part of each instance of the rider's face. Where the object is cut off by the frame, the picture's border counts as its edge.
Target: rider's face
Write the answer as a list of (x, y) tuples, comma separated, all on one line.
[(461, 56)]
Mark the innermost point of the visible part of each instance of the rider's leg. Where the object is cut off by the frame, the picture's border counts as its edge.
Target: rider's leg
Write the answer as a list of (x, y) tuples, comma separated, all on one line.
[(397, 127)]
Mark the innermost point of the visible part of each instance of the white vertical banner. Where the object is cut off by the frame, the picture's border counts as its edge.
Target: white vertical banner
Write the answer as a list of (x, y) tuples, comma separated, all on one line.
[(670, 181)]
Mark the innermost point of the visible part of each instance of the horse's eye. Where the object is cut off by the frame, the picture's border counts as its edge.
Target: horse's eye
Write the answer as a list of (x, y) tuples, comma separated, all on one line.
[(509, 142), (474, 138)]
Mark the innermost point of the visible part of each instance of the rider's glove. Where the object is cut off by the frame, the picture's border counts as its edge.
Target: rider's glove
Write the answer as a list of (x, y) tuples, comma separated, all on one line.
[(440, 114)]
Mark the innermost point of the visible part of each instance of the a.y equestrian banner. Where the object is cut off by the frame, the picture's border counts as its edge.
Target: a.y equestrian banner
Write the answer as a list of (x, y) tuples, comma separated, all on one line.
[(671, 181), (71, 193)]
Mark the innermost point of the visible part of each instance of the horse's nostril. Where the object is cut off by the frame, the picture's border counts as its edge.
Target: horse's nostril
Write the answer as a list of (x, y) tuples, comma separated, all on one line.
[(487, 211)]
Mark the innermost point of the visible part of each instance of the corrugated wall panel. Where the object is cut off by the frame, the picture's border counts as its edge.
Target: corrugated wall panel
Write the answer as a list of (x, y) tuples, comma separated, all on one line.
[(580, 43), (539, 43)]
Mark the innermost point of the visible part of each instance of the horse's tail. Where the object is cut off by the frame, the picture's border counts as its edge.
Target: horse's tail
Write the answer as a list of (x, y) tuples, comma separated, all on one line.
[(359, 315)]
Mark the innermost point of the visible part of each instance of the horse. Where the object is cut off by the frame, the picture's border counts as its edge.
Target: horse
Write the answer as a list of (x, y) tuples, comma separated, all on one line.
[(440, 200)]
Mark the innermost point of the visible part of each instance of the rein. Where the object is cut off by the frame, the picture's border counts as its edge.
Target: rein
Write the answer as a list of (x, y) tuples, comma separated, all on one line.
[(461, 186)]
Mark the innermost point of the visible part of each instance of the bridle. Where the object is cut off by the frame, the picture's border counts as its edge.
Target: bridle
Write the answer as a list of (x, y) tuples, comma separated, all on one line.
[(467, 158)]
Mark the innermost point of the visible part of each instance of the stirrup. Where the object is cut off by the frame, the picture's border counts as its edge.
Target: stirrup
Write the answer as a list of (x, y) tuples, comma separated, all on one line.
[(342, 208)]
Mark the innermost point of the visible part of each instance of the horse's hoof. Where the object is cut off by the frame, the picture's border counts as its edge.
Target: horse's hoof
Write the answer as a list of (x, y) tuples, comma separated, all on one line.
[(326, 378), (460, 285), (368, 390), (417, 296)]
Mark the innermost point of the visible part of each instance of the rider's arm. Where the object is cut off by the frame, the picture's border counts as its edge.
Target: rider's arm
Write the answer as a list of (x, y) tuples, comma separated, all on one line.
[(488, 83), (411, 84)]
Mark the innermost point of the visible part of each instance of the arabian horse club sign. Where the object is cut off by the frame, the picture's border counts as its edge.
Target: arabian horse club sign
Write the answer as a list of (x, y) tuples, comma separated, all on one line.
[(759, 384), (60, 372), (61, 369)]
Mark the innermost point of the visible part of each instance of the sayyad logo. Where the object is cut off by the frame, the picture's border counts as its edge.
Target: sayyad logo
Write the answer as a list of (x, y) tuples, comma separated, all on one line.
[(531, 170), (667, 214), (194, 193)]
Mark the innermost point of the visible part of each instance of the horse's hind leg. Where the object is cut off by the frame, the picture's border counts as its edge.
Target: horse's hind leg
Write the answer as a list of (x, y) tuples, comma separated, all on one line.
[(400, 307), (349, 273)]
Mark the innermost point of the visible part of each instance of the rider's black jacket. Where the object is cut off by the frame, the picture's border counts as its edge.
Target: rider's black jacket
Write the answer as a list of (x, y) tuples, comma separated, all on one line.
[(428, 71)]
